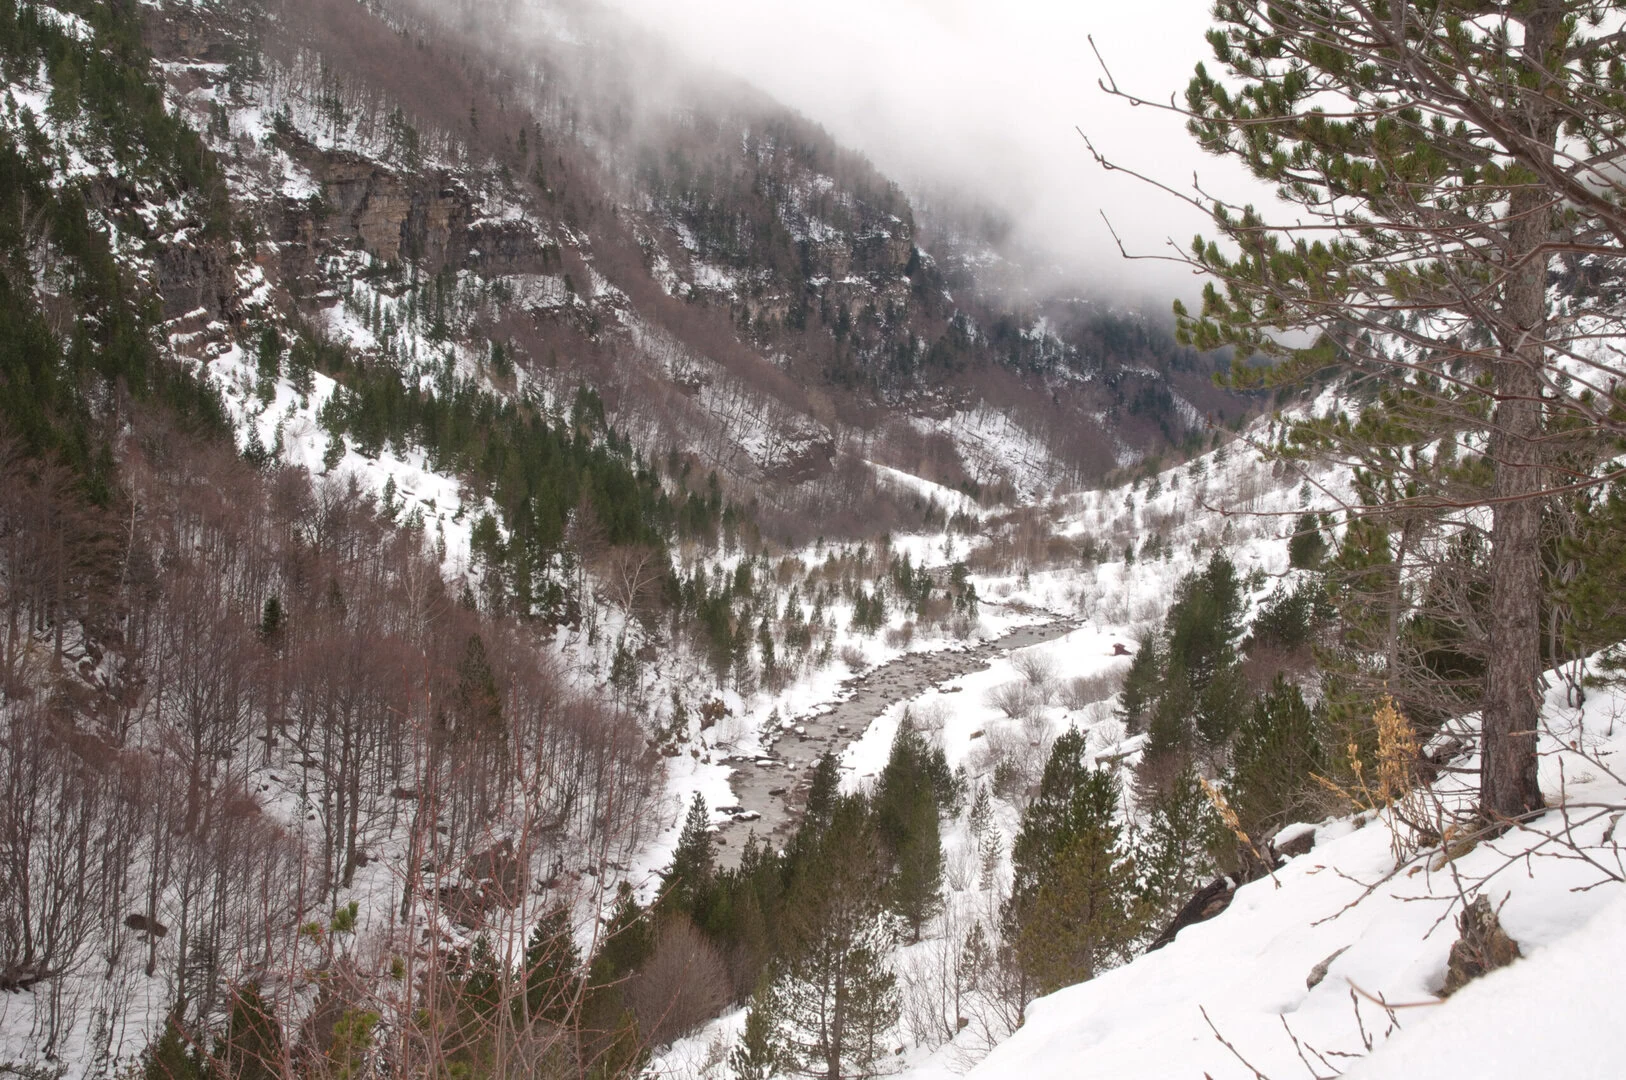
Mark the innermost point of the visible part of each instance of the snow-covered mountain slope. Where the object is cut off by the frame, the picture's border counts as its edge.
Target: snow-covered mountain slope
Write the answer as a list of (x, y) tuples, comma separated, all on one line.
[(741, 296), (1170, 522), (729, 280)]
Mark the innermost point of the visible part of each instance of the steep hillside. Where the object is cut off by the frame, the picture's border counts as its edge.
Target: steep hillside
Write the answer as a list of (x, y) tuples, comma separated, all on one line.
[(393, 481), (1348, 959), (520, 558), (727, 279)]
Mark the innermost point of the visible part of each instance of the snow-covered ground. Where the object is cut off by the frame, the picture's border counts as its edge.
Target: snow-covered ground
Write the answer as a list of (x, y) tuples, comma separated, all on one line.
[(1229, 499), (1242, 977), (1558, 884)]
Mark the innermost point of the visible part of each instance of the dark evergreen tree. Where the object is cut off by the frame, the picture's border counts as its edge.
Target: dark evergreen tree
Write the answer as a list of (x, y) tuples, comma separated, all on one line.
[(610, 1043), (834, 995), (478, 702), (1428, 154), (174, 1055), (1204, 622), (906, 816), (769, 655), (1083, 917), (1175, 851), (1589, 612), (689, 877), (1071, 907), (1141, 683), (1169, 740), (271, 622), (628, 940), (755, 1056), (986, 835), (1274, 761), (1307, 545), (822, 794), (552, 971), (1052, 819), (1289, 617), (1222, 704)]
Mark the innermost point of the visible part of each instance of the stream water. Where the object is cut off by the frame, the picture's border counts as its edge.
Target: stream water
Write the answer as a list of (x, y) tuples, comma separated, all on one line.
[(769, 790)]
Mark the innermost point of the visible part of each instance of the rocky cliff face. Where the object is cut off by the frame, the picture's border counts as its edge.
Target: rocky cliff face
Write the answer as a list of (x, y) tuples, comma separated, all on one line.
[(195, 278), (711, 268), (431, 218), (205, 34)]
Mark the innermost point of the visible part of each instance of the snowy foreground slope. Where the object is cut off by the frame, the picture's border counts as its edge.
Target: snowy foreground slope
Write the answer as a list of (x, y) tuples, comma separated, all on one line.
[(1554, 1013)]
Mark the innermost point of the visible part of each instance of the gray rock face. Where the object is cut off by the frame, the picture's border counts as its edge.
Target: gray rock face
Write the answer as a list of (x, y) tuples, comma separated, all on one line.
[(431, 217), (194, 276)]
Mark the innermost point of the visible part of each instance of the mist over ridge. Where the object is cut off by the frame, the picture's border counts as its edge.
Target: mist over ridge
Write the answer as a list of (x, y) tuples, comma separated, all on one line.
[(981, 104)]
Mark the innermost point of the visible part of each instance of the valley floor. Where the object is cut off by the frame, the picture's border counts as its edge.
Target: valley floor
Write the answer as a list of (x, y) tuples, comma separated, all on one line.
[(1367, 907)]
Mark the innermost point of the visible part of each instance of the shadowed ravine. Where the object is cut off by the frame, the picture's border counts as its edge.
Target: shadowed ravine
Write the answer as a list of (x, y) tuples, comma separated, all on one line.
[(768, 790)]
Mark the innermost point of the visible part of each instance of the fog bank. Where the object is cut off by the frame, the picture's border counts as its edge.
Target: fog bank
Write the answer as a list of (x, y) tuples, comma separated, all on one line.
[(984, 97)]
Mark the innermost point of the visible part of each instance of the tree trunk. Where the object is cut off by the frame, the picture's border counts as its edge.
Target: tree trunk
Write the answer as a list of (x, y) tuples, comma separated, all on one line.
[(1508, 773), (1508, 785)]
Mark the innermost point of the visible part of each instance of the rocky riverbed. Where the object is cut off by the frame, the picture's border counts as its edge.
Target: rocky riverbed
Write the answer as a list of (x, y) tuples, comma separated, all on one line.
[(769, 789)]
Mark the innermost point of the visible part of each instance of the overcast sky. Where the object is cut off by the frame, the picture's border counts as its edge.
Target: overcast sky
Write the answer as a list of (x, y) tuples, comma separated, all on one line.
[(985, 95)]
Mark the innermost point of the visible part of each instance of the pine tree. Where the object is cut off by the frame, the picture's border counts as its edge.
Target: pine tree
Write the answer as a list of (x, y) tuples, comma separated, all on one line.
[(1307, 546), (822, 794), (1140, 689), (976, 958), (483, 978), (755, 1056), (1053, 819), (351, 1043), (1222, 704), (1070, 913), (610, 1040), (834, 994), (173, 1056), (1274, 760), (981, 817), (1441, 161), (271, 622), (552, 970), (1595, 556), (765, 646), (1205, 621), (744, 918), (689, 876), (478, 702), (1169, 735), (627, 940), (1175, 850), (906, 809), (1185, 687), (1082, 919), (985, 834), (252, 1048)]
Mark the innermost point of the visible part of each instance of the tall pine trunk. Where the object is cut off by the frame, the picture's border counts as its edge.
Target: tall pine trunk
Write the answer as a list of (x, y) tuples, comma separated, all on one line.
[(1508, 786), (1508, 770)]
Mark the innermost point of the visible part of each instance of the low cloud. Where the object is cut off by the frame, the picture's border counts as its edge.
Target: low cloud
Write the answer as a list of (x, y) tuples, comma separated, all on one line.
[(984, 98)]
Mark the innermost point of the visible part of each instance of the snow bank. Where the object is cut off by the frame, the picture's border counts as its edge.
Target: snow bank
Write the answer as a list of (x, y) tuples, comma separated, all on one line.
[(1243, 975)]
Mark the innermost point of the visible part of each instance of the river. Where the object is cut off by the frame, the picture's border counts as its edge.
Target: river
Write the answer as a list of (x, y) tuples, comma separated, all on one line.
[(769, 789)]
